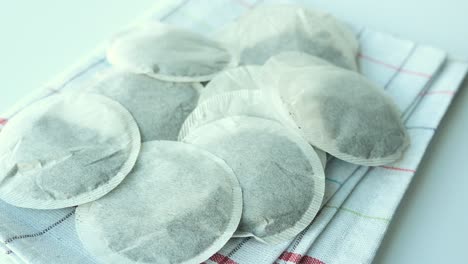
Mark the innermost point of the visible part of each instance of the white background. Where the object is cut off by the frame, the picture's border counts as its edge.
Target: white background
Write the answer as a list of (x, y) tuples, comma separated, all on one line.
[(38, 39)]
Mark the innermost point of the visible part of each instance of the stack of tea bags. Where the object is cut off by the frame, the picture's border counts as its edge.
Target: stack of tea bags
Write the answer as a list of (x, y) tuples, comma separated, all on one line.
[(188, 141)]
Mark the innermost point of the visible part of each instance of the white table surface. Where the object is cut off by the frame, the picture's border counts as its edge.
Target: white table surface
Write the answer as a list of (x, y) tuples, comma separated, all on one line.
[(38, 39)]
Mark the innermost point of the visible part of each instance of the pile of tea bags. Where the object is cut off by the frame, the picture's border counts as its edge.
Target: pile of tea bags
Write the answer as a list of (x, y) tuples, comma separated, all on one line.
[(188, 141)]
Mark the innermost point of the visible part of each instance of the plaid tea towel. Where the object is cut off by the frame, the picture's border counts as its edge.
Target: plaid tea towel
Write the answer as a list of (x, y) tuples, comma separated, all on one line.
[(359, 201)]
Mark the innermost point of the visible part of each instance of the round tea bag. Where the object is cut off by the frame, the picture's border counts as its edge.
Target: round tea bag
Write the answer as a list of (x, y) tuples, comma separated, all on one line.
[(280, 174), (180, 204), (233, 79), (158, 107), (342, 113), (168, 53), (66, 150), (254, 77), (227, 94), (291, 61), (269, 30), (238, 102)]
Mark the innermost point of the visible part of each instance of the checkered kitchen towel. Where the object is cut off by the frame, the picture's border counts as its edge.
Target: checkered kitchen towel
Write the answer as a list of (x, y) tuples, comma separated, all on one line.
[(359, 201)]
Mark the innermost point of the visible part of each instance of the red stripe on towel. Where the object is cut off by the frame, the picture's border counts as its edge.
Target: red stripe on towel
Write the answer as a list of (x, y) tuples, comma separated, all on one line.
[(221, 259), (376, 61), (299, 259), (398, 169)]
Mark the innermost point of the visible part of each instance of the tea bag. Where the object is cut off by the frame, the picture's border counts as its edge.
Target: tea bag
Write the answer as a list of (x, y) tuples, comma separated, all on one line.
[(291, 61), (241, 102), (280, 174), (254, 77), (180, 204), (168, 53), (66, 150), (228, 94), (269, 30), (233, 79), (340, 112), (158, 107)]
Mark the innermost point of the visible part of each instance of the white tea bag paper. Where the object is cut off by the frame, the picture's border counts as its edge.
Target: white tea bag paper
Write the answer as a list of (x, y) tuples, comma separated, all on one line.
[(233, 79), (238, 102), (66, 150), (340, 112), (280, 174), (291, 61), (158, 107), (251, 102), (269, 30), (169, 53), (180, 204)]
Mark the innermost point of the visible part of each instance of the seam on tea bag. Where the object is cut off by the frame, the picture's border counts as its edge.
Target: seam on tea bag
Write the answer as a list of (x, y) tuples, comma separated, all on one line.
[(40, 233)]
